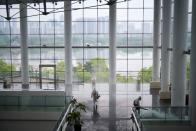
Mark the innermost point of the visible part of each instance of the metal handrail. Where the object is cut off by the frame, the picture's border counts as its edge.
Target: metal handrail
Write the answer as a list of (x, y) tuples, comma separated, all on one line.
[(177, 111), (135, 120), (61, 121), (164, 106)]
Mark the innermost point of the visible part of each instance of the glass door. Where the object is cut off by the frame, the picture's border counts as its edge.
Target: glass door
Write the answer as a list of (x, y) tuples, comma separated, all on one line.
[(47, 77)]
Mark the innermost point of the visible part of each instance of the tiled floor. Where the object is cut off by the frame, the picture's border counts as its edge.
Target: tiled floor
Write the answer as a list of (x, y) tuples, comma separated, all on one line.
[(100, 119)]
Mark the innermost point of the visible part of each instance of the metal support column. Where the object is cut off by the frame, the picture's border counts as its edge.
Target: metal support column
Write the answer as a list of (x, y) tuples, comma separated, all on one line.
[(68, 47), (112, 64), (155, 83), (24, 46), (156, 41), (179, 58), (165, 94)]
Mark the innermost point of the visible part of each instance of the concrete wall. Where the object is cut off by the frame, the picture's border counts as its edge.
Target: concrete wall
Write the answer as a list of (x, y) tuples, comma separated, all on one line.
[(29, 115), (28, 120), (8, 125)]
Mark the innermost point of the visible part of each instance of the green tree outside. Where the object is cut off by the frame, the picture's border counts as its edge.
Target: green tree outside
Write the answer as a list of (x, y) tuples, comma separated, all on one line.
[(145, 74), (123, 79), (5, 69), (96, 66), (60, 69)]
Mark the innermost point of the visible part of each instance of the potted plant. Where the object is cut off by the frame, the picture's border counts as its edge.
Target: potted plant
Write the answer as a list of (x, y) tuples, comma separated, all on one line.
[(74, 117)]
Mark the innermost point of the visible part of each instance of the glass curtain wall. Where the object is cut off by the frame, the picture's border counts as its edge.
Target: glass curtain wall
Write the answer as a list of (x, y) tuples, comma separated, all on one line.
[(10, 56), (90, 47), (134, 52)]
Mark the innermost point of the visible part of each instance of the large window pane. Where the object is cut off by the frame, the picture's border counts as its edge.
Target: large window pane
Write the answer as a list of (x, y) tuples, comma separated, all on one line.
[(121, 14), (135, 53), (59, 40), (103, 27), (47, 40), (135, 39), (90, 53), (121, 53), (148, 39), (135, 14), (59, 28), (148, 27), (5, 28), (34, 40), (47, 53), (77, 53), (148, 14), (121, 39), (33, 27), (103, 39), (15, 27), (77, 40), (90, 40), (16, 54), (134, 65), (103, 15), (77, 27), (16, 70), (121, 65), (5, 53), (147, 63), (136, 4), (90, 14), (148, 3), (4, 39), (135, 27), (15, 40), (34, 53), (122, 27), (103, 53), (47, 27), (47, 62), (77, 15), (90, 27), (147, 53), (59, 53)]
